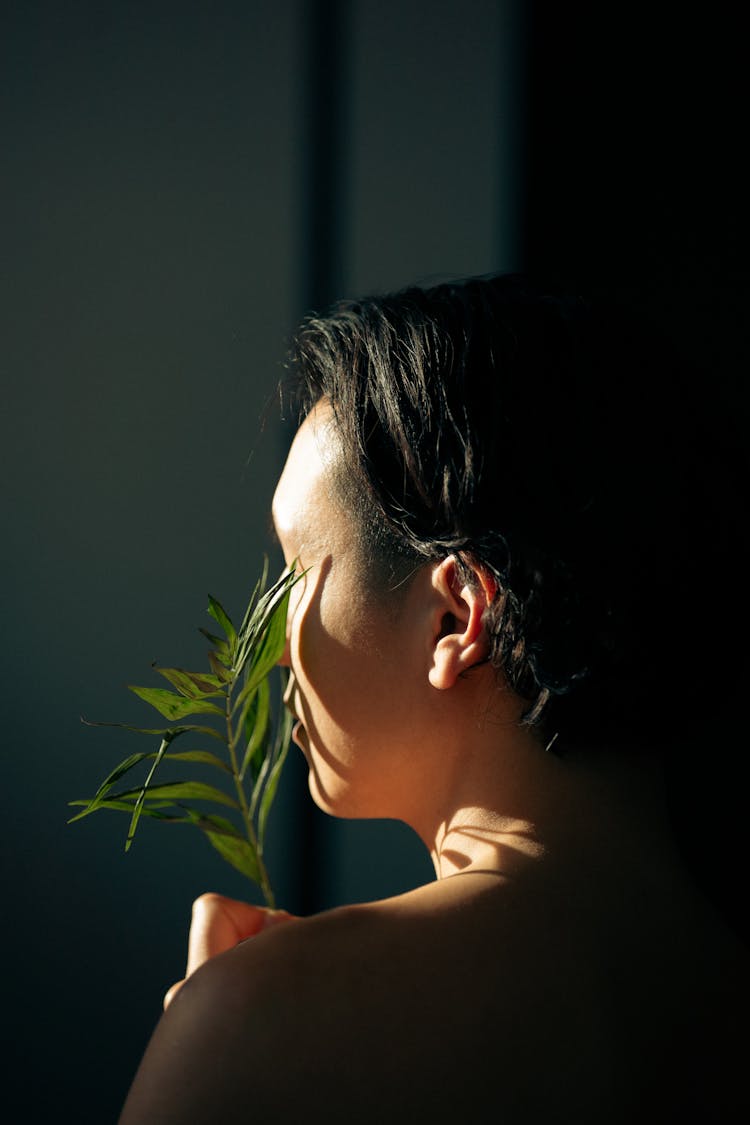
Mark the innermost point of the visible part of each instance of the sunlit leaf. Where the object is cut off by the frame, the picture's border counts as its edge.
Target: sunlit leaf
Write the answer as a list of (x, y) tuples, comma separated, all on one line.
[(271, 646), (274, 642), (205, 757), (193, 685), (177, 791), (173, 706), (257, 623), (263, 642), (258, 589)]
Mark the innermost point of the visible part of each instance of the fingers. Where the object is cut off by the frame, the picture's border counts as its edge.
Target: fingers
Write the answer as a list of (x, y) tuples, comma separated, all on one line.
[(218, 924)]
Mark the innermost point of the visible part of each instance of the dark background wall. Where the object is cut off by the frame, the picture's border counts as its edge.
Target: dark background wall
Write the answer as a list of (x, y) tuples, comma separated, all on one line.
[(179, 185)]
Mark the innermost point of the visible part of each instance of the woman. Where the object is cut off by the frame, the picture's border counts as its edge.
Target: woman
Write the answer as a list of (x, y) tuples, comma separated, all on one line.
[(497, 494)]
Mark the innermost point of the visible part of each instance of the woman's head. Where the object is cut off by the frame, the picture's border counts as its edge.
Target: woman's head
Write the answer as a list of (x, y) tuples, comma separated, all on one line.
[(370, 673), (552, 445)]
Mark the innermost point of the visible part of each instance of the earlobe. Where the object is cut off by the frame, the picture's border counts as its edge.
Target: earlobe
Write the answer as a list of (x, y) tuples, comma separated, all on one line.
[(460, 639)]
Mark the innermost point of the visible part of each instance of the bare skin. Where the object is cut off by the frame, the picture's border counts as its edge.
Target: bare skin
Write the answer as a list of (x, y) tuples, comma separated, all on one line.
[(562, 966)]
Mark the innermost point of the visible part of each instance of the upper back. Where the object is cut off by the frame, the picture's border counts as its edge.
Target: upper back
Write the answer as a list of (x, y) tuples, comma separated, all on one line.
[(459, 997)]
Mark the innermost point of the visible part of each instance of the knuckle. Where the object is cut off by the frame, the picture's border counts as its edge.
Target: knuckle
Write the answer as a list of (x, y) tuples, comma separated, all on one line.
[(209, 901)]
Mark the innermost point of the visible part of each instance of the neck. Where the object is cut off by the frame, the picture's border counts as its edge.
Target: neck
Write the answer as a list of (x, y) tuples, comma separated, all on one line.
[(512, 805)]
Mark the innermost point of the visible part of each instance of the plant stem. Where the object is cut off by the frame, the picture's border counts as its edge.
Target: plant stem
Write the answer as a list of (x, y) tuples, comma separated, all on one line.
[(265, 884)]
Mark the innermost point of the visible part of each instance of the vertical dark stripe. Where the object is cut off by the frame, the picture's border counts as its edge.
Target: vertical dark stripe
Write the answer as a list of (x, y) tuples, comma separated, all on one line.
[(324, 129), (321, 275), (513, 99)]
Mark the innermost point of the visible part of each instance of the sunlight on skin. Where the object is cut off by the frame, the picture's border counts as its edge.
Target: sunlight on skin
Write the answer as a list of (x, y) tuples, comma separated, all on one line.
[(479, 839)]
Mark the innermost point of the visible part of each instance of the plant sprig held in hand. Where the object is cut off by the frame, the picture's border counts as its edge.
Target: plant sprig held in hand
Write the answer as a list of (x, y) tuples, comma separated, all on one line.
[(235, 697)]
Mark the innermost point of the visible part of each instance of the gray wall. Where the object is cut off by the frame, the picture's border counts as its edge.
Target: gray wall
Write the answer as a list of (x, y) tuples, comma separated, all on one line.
[(155, 182)]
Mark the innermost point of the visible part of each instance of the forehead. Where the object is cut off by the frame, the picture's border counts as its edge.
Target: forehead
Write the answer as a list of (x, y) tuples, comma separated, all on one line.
[(301, 500)]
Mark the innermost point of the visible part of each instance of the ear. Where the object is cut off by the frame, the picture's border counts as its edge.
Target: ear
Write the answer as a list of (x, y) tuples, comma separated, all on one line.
[(459, 638)]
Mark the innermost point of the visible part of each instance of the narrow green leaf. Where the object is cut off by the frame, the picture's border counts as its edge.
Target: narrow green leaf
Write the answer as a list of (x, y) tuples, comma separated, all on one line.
[(258, 616), (244, 696), (220, 671), (138, 807), (266, 757), (234, 849), (254, 723), (280, 752), (193, 685), (259, 784), (173, 732), (178, 791), (110, 780), (269, 651), (268, 761), (221, 617), (118, 772), (213, 821), (222, 648), (274, 641), (273, 601), (173, 706), (258, 589), (228, 841), (203, 756), (149, 808)]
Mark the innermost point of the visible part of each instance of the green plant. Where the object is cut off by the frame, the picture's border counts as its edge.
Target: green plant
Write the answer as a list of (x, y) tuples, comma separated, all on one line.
[(235, 696)]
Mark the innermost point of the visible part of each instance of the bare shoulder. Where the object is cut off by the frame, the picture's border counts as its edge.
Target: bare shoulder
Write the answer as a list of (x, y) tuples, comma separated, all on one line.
[(328, 1011), (430, 1004)]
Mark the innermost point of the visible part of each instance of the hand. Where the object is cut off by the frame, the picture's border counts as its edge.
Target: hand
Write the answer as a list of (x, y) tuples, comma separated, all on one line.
[(219, 924)]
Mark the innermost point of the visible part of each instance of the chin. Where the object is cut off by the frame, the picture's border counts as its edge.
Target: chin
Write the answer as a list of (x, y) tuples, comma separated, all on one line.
[(338, 800), (334, 799), (322, 799)]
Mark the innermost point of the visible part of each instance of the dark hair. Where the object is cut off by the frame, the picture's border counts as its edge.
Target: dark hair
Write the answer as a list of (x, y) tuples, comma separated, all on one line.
[(555, 441)]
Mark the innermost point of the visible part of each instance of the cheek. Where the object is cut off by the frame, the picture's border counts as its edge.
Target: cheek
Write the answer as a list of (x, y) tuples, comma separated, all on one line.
[(334, 662)]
